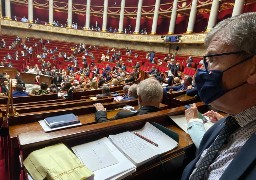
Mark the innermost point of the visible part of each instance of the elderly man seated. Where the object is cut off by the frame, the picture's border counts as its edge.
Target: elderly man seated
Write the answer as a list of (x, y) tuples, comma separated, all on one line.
[(105, 92), (228, 83), (181, 87), (132, 93), (150, 95)]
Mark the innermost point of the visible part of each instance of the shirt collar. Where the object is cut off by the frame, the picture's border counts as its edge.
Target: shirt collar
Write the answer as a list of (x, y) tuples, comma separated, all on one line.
[(246, 117)]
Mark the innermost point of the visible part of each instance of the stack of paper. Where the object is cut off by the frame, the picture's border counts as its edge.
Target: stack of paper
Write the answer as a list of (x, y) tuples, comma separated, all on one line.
[(56, 162)]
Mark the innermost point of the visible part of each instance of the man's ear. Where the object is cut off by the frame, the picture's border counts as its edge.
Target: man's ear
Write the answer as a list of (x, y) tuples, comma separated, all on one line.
[(252, 76)]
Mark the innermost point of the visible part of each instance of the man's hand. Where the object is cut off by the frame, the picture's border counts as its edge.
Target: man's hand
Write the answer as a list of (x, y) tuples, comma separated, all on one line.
[(213, 116), (190, 87), (191, 113), (99, 107)]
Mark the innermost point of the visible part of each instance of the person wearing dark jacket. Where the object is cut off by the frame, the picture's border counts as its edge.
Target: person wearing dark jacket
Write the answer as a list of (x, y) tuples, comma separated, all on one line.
[(19, 91), (227, 149), (150, 95)]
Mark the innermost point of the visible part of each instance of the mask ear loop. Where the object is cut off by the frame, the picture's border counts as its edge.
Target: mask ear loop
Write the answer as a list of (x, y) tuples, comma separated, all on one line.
[(238, 64)]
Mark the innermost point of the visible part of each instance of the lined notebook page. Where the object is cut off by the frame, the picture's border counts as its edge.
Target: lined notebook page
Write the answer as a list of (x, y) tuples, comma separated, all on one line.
[(121, 169), (165, 143), (95, 155), (135, 148)]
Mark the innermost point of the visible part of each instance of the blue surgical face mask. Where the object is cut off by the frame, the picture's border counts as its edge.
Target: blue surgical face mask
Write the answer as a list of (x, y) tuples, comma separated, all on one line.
[(209, 83)]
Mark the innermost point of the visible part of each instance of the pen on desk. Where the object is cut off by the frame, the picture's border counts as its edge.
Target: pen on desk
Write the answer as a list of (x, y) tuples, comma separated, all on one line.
[(146, 139)]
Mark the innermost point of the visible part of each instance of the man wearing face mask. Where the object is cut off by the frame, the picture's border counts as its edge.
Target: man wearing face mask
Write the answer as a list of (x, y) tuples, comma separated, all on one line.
[(150, 93), (228, 83)]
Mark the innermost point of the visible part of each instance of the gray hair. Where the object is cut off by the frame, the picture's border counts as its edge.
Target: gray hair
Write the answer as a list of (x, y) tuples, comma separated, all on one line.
[(105, 89), (126, 87), (132, 92), (150, 90), (239, 32)]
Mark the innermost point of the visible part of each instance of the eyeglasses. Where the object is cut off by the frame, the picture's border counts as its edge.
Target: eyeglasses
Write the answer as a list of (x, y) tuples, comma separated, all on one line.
[(206, 58)]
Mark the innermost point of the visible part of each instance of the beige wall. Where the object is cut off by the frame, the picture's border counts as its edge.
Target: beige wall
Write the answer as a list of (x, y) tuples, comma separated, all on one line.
[(185, 49)]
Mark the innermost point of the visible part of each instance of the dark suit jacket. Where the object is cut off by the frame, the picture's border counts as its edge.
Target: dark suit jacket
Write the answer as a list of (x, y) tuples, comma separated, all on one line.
[(243, 165), (57, 80), (4, 90), (192, 92), (101, 116)]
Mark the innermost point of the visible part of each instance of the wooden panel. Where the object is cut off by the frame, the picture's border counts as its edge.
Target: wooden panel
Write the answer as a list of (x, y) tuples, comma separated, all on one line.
[(29, 78)]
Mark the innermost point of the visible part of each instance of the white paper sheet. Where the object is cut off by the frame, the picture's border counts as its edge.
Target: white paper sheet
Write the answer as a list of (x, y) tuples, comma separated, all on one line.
[(181, 121), (137, 149), (95, 155), (164, 142), (121, 168)]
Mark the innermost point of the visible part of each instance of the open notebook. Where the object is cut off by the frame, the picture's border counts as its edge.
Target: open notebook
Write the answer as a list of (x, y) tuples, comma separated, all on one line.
[(118, 155)]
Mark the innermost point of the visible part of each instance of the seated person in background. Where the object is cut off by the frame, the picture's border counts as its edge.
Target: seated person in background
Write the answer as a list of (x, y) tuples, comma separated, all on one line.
[(189, 61), (130, 79), (43, 89), (93, 85), (181, 87), (24, 19), (192, 89), (150, 95), (176, 81), (125, 90), (53, 88), (132, 92), (137, 65), (114, 82), (101, 81), (153, 70), (105, 92), (196, 128), (19, 91), (69, 91), (159, 77), (19, 80), (5, 87)]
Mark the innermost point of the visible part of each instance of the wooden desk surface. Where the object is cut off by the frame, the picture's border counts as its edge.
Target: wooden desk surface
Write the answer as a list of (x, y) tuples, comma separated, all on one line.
[(35, 126), (33, 137), (85, 119), (34, 140), (29, 117), (184, 98), (36, 134)]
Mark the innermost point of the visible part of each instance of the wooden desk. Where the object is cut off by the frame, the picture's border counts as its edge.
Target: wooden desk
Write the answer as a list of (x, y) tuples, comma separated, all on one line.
[(53, 106), (185, 99), (31, 136), (36, 139), (87, 93), (11, 71), (30, 78), (59, 101), (34, 98), (34, 116)]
